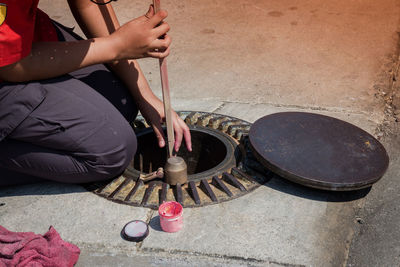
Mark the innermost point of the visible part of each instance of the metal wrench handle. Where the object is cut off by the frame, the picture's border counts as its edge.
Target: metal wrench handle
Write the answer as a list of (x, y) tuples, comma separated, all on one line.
[(153, 175)]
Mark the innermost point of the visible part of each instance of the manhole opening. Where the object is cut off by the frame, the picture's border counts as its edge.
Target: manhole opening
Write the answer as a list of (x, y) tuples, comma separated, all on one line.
[(207, 152), (212, 151)]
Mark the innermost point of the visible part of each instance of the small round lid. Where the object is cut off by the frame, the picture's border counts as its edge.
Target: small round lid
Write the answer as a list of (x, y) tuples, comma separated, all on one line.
[(135, 231), (318, 151)]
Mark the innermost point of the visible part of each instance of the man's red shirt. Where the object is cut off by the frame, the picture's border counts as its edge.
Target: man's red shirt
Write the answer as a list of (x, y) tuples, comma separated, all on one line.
[(21, 24)]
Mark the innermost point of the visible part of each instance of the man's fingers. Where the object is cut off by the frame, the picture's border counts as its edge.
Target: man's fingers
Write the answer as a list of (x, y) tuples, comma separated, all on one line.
[(159, 134), (188, 138), (161, 30), (159, 54), (161, 44), (178, 136), (146, 17), (158, 18), (150, 12), (182, 131)]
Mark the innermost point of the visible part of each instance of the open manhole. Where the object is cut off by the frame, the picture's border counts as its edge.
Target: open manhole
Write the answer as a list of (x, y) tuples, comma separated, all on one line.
[(221, 166)]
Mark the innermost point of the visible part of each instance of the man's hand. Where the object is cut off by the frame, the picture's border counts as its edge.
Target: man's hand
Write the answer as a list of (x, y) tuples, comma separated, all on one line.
[(153, 111), (140, 37)]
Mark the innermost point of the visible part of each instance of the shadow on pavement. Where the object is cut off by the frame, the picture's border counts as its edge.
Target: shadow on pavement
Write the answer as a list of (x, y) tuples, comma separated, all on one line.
[(298, 190), (155, 223), (43, 188)]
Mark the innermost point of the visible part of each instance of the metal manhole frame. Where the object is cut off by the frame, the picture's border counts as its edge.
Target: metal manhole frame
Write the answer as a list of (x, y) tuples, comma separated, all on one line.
[(230, 184)]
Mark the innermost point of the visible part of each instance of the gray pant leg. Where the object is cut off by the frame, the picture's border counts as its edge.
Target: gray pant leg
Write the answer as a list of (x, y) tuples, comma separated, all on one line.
[(79, 133), (75, 135)]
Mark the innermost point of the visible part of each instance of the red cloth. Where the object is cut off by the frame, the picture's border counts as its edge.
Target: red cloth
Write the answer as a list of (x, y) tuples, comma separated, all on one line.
[(27, 249), (22, 23)]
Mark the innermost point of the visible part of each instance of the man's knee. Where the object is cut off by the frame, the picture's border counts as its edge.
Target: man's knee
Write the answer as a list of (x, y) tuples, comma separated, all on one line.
[(115, 156)]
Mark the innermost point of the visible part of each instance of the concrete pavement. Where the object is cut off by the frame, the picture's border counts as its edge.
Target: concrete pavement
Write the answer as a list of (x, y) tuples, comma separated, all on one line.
[(248, 59)]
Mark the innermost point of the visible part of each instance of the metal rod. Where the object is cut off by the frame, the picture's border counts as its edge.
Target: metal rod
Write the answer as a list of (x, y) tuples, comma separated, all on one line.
[(165, 93)]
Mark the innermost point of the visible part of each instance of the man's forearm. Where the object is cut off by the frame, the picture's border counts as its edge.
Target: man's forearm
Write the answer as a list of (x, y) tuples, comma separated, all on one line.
[(136, 39), (51, 59), (130, 73)]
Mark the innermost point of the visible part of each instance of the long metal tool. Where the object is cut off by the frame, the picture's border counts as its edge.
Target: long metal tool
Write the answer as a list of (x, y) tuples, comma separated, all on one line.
[(165, 93)]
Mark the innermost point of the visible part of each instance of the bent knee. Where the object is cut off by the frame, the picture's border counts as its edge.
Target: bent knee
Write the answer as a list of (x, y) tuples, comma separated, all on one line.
[(115, 156)]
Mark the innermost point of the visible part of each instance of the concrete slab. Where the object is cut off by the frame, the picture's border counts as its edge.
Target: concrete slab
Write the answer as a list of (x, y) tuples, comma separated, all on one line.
[(279, 222), (232, 51), (203, 104), (78, 215), (163, 260)]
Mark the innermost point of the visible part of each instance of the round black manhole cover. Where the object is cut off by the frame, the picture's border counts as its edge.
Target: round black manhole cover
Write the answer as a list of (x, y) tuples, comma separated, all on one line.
[(318, 151), (221, 166)]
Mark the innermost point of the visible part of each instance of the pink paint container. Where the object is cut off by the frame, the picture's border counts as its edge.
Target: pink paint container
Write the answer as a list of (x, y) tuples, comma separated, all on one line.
[(171, 218)]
